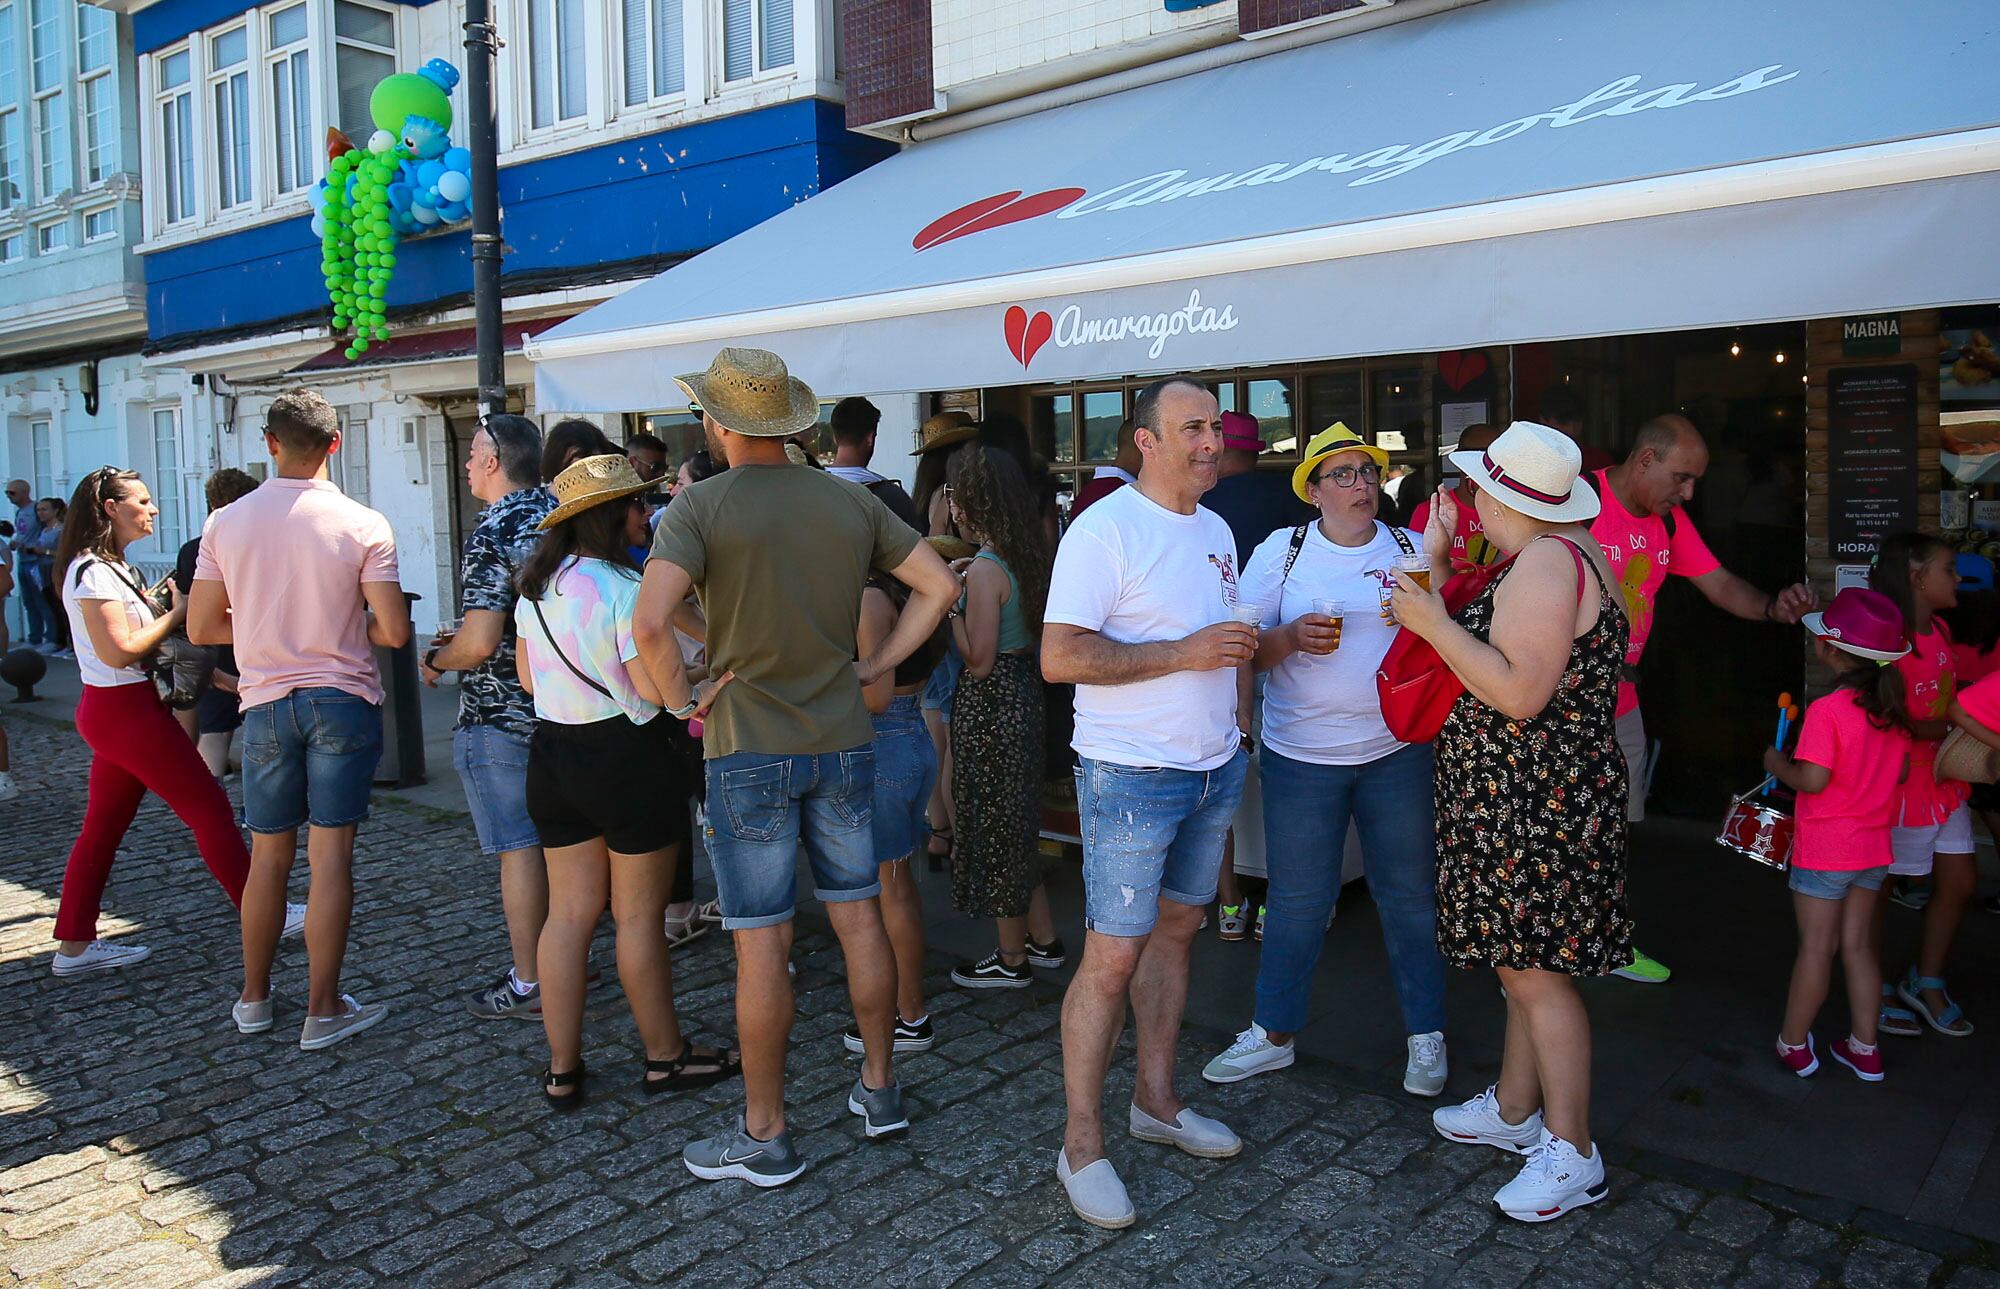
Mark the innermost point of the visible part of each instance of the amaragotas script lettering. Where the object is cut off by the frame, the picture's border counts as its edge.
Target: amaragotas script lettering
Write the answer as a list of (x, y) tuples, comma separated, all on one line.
[(1072, 328)]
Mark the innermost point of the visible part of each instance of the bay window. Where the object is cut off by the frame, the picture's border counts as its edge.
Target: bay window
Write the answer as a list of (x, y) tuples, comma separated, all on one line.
[(229, 119), (653, 56), (175, 114), (51, 99), (557, 90), (291, 99), (97, 83), (11, 164), (364, 52), (756, 37)]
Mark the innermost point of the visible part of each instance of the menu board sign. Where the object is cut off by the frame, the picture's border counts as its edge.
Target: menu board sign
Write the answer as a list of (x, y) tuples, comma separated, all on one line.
[(1871, 423)]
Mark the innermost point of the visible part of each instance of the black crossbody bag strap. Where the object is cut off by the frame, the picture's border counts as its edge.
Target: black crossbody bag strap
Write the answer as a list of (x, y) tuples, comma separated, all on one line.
[(1402, 539), (576, 671), (1292, 555)]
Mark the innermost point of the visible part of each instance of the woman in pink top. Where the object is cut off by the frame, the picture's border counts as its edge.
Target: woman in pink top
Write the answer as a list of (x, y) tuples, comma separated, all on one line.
[(1933, 832), (1848, 772)]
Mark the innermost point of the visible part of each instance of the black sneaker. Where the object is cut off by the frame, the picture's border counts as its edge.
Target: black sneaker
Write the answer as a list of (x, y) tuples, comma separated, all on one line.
[(991, 973), (911, 1036), (1048, 955)]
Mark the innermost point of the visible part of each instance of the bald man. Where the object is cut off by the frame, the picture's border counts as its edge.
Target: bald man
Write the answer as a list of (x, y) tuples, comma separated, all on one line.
[(1647, 536), (1469, 547)]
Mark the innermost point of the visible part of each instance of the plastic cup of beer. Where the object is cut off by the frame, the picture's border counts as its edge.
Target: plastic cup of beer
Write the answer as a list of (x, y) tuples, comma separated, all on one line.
[(1416, 567), (1248, 614), (1335, 610)]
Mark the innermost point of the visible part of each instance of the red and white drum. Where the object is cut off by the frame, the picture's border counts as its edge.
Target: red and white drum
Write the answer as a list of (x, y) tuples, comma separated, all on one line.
[(1757, 828)]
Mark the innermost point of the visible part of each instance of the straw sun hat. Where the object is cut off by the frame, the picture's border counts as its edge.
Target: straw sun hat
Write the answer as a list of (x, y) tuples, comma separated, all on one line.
[(591, 482), (1533, 469), (943, 430), (749, 391)]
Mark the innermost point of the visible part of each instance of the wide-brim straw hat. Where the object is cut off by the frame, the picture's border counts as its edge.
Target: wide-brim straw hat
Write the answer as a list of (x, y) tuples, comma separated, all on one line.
[(750, 391), (1334, 438), (1533, 469), (943, 430), (592, 481)]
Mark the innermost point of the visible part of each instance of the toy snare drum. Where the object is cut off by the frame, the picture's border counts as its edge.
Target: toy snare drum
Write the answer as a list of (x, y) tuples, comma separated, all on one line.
[(1757, 828)]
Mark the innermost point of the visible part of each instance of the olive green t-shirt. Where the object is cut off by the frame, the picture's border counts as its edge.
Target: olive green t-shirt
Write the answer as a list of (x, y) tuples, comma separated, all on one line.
[(779, 555)]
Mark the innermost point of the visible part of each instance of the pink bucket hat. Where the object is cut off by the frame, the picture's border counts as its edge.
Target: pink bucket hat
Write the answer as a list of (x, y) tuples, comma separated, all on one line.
[(1862, 622), (1239, 431)]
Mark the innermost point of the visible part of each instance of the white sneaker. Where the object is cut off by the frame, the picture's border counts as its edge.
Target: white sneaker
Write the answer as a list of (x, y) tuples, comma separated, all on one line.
[(1197, 1134), (251, 1018), (1253, 1052), (1096, 1193), (1555, 1180), (295, 921), (8, 788), (99, 955), (1478, 1123), (1424, 1075)]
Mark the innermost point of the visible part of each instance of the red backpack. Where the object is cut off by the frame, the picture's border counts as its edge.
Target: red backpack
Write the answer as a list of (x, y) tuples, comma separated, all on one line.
[(1416, 687)]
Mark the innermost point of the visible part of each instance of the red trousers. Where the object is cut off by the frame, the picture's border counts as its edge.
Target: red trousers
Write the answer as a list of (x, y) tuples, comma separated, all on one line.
[(138, 747)]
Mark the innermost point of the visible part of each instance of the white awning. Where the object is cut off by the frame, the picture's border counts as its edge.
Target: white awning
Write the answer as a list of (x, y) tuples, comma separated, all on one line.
[(1514, 171)]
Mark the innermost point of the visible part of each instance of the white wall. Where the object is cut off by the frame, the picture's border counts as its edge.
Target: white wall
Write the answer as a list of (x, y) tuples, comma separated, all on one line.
[(974, 39)]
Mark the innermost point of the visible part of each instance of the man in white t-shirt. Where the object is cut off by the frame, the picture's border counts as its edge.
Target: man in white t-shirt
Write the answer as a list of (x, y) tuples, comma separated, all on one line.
[(1138, 619)]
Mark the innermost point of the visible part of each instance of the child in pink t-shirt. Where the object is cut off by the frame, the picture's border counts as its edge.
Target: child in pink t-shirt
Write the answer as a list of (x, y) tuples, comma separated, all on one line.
[(1853, 751)]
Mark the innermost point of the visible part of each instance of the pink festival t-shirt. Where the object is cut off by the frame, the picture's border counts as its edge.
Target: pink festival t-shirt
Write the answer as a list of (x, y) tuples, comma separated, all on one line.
[(1930, 683), (1981, 700), (1846, 827), (1469, 547), (1642, 555), (292, 557)]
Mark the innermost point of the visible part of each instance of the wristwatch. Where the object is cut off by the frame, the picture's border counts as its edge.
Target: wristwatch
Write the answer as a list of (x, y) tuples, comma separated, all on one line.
[(684, 713), (430, 658)]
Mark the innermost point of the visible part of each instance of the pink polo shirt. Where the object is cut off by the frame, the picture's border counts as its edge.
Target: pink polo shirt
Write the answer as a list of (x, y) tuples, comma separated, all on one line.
[(292, 557), (1846, 827)]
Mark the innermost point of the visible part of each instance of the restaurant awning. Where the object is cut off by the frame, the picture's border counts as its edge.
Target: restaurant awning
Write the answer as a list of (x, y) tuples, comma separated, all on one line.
[(1513, 171)]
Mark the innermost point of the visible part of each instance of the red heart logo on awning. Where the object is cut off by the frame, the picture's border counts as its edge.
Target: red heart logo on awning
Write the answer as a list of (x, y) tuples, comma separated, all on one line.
[(1027, 334), (992, 212), (1461, 367)]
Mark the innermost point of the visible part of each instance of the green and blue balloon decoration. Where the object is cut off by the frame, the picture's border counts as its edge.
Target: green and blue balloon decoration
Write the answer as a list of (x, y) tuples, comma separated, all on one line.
[(408, 180)]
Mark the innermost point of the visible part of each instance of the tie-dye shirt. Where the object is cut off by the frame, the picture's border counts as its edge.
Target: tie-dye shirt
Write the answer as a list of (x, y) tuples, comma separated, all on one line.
[(1642, 554), (588, 605)]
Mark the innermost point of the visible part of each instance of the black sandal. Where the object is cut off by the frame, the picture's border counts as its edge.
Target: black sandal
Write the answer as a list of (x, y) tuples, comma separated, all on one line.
[(552, 1083), (695, 1067), (937, 857)]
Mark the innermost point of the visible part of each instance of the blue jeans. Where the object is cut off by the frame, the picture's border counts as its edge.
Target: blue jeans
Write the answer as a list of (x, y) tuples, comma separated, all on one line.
[(905, 771), (492, 766), (1307, 808), (35, 623), (1151, 833), (309, 756), (761, 806)]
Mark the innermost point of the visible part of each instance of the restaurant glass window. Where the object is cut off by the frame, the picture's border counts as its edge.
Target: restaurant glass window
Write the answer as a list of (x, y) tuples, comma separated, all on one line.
[(1103, 411), (1054, 427), (1274, 402), (1399, 413), (1335, 396)]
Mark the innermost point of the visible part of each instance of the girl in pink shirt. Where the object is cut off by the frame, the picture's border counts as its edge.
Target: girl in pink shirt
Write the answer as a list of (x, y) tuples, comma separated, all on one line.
[(1848, 772)]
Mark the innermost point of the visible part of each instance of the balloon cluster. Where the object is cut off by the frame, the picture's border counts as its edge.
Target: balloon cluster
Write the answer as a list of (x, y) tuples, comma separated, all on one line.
[(408, 180)]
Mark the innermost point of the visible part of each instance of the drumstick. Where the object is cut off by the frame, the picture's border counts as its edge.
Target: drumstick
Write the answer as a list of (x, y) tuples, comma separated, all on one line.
[(1786, 714)]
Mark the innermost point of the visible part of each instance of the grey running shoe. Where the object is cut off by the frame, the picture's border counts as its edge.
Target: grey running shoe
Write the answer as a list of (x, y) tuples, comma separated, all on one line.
[(99, 955), (738, 1154), (881, 1109), (324, 1031), (500, 1002)]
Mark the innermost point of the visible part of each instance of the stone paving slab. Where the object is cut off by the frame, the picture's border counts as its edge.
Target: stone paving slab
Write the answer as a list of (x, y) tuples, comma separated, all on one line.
[(144, 1143)]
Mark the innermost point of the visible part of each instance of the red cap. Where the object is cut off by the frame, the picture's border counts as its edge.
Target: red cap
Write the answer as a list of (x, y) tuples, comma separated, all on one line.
[(1239, 431)]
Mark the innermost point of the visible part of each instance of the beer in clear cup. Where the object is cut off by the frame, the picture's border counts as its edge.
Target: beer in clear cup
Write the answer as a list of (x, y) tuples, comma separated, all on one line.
[(1417, 567), (1248, 614), (1337, 612)]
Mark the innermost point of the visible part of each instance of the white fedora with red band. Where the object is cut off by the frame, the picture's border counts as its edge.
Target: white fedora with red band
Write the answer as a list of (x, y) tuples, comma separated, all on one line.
[(1533, 469)]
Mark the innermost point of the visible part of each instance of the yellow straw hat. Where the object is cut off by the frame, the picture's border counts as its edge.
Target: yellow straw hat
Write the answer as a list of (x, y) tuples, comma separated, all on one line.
[(1334, 438), (591, 482)]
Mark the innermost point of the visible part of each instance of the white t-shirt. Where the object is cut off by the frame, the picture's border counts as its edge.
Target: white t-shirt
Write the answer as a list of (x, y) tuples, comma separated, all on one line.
[(90, 578), (1324, 708), (1135, 572)]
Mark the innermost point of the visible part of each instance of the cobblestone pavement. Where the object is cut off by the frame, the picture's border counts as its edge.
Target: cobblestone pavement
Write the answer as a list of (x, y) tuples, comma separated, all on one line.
[(144, 1143)]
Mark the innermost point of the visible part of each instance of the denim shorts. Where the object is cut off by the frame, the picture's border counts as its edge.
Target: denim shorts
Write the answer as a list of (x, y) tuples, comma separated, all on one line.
[(1151, 833), (1832, 883), (943, 684), (905, 772), (761, 806), (309, 757), (493, 766)]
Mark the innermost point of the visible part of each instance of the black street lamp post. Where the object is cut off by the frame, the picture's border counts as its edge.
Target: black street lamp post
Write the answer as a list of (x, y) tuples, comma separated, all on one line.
[(481, 48)]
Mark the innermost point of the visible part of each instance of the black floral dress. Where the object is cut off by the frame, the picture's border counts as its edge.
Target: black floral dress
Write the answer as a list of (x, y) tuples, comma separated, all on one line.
[(1531, 817)]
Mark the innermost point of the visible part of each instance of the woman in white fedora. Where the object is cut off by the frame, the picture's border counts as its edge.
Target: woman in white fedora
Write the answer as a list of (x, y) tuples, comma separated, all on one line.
[(1531, 791)]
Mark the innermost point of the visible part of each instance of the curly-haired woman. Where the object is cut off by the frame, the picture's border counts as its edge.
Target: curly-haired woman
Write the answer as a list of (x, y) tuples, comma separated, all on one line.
[(996, 718)]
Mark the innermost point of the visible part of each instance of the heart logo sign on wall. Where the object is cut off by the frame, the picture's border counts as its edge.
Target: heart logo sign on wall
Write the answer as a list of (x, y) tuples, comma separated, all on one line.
[(1026, 334), (1461, 367), (992, 212)]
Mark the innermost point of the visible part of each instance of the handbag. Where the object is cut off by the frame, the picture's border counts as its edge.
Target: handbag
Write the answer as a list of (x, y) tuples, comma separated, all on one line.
[(1966, 759), (180, 669), (1415, 686)]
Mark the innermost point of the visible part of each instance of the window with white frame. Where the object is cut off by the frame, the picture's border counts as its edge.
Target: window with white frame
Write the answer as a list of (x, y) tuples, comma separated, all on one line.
[(42, 456), (12, 247), (175, 112), (100, 224), (51, 100), (364, 52), (11, 163), (557, 89), (97, 84), (229, 116), (653, 58), (167, 477), (291, 98), (50, 238), (756, 37)]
